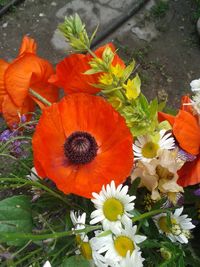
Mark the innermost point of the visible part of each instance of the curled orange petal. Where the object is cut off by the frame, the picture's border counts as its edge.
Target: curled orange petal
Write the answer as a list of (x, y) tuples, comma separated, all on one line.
[(166, 117), (28, 46), (12, 113), (3, 66), (189, 174), (187, 132)]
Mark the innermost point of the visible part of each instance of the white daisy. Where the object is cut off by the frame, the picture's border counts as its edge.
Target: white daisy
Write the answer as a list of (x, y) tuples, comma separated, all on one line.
[(85, 246), (180, 226), (146, 147), (195, 85), (47, 264), (121, 249), (112, 207), (78, 221)]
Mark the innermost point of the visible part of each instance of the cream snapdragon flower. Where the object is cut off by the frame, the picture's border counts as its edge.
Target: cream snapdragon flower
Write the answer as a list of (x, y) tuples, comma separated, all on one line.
[(147, 147), (121, 249), (180, 226), (159, 175), (113, 205)]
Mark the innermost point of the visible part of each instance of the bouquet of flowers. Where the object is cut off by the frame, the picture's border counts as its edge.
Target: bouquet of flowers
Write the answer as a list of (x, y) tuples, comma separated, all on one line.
[(100, 176)]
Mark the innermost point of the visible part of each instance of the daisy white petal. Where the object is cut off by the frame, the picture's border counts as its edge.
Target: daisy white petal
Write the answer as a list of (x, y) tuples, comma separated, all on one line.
[(47, 264)]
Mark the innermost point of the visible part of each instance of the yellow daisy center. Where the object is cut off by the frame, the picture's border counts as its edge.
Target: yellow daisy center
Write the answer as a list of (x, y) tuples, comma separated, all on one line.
[(112, 209), (150, 150), (164, 225), (86, 250), (123, 244)]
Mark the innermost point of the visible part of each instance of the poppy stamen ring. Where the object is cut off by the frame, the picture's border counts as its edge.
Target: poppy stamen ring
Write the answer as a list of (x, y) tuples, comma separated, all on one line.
[(80, 147)]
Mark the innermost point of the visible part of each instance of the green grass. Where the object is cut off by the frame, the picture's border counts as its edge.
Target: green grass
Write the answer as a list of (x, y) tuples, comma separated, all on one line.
[(3, 2), (160, 9), (196, 13)]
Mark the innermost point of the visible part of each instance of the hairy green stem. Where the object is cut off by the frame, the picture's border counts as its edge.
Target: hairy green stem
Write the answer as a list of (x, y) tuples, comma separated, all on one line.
[(33, 237), (150, 214), (39, 97), (28, 256)]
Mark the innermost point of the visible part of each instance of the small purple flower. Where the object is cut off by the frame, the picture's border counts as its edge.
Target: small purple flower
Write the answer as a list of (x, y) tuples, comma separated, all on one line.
[(5, 135), (15, 147), (23, 118), (197, 192)]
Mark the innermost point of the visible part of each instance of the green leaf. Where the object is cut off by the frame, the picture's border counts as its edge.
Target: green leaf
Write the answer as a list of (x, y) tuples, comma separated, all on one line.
[(15, 216), (91, 71), (143, 102), (161, 105), (134, 186), (153, 108), (76, 261), (128, 71), (94, 34)]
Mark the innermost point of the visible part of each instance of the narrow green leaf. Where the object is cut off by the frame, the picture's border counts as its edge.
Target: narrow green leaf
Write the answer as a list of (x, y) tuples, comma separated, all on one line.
[(128, 71), (94, 34)]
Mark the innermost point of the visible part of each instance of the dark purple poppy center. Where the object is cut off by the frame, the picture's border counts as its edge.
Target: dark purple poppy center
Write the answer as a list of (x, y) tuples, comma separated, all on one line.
[(80, 148)]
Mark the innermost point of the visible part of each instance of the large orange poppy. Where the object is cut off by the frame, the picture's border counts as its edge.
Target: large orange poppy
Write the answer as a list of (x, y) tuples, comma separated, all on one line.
[(70, 72), (82, 143), (16, 78), (186, 130)]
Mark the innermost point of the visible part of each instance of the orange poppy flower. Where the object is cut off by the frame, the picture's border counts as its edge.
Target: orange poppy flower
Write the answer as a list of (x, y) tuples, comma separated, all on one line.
[(70, 72), (186, 130), (82, 143), (16, 78)]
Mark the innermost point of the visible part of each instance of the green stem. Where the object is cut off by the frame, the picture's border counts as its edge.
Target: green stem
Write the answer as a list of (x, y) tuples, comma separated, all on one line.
[(26, 124), (28, 256), (39, 97), (91, 52), (33, 237), (36, 184), (150, 214)]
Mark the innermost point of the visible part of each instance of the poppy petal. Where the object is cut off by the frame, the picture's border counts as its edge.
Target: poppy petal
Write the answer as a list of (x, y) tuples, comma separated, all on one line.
[(70, 75), (186, 104), (24, 73), (28, 46), (189, 174), (11, 112), (3, 66), (166, 117), (187, 132)]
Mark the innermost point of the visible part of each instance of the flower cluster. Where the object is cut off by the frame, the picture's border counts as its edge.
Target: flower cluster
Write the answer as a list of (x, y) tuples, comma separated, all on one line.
[(109, 168)]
